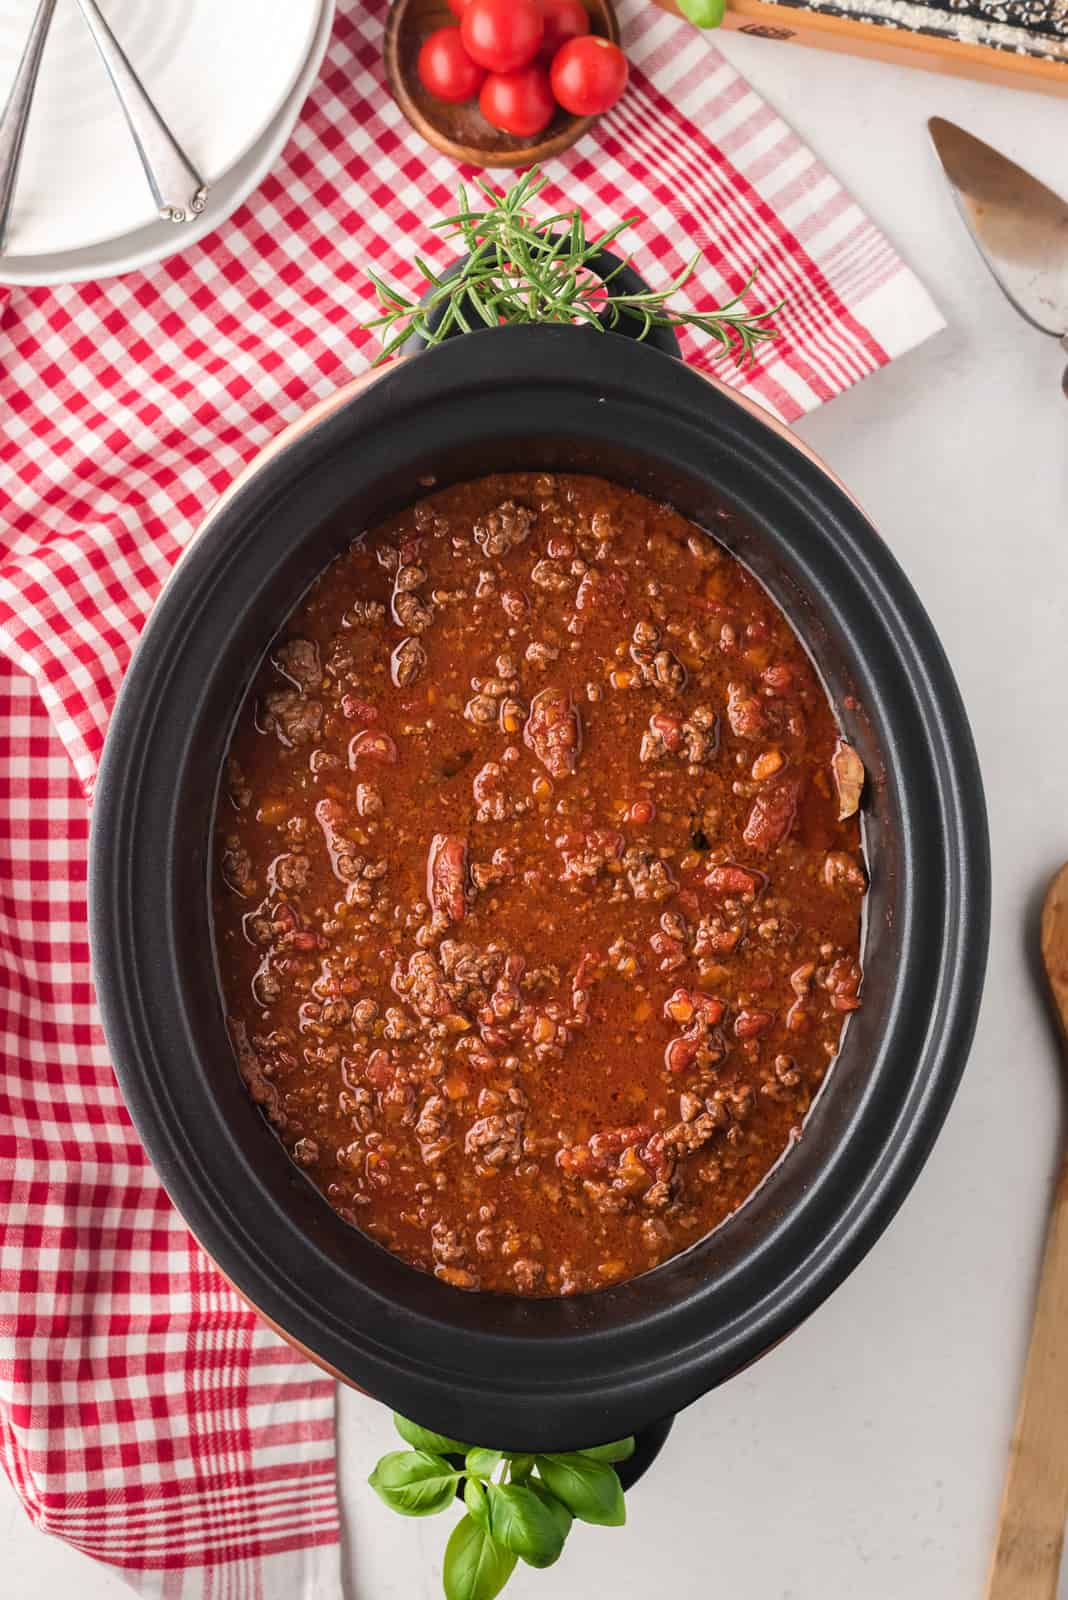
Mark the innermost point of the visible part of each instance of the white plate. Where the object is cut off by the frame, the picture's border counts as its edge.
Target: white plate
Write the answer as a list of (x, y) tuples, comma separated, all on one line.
[(219, 71), (160, 239)]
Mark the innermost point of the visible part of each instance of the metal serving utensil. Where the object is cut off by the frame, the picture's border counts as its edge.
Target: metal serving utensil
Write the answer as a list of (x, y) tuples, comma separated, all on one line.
[(1018, 225), (177, 188), (16, 113)]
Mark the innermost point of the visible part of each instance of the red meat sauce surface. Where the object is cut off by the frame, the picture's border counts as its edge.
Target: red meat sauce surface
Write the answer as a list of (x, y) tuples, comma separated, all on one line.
[(537, 915)]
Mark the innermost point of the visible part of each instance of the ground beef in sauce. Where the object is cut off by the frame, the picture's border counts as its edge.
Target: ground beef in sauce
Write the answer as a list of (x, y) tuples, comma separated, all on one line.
[(537, 919)]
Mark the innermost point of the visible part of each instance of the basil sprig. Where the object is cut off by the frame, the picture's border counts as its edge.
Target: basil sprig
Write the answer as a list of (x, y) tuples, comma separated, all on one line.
[(589, 1489), (414, 1482), (518, 1506), (438, 1444), (476, 1566)]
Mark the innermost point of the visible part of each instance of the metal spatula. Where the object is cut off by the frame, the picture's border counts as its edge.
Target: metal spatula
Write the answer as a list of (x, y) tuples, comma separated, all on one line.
[(1019, 226)]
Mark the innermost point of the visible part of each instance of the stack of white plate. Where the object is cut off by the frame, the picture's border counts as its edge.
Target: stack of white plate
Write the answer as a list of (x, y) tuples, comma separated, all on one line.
[(229, 78)]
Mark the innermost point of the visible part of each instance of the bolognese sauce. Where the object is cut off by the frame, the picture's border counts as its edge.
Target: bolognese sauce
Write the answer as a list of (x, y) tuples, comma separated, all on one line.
[(540, 881)]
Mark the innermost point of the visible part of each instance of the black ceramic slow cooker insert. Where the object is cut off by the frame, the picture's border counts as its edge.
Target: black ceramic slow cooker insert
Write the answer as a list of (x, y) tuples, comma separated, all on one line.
[(539, 1374)]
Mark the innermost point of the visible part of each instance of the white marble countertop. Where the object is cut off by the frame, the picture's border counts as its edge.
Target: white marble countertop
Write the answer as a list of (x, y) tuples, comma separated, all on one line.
[(862, 1459)]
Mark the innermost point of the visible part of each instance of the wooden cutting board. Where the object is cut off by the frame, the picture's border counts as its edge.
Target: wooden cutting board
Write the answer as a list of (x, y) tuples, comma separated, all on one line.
[(1039, 27)]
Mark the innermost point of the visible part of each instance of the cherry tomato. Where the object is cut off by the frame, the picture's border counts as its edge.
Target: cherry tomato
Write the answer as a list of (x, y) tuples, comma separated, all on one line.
[(518, 102), (458, 7), (446, 69), (564, 20), (502, 35), (588, 75)]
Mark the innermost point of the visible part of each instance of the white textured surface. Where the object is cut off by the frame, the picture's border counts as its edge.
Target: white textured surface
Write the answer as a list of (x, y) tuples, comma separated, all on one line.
[(862, 1460)]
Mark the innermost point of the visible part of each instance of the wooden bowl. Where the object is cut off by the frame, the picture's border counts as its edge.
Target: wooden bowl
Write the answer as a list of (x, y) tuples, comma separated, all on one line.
[(461, 131)]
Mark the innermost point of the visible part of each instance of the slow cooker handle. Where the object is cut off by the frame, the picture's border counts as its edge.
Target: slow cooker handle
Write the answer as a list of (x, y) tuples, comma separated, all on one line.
[(624, 278)]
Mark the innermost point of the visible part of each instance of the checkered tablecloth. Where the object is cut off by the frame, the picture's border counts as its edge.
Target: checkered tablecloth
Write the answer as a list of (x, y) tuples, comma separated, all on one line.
[(145, 1414)]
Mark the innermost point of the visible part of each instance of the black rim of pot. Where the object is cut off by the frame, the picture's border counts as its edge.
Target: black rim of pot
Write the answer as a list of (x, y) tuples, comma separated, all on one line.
[(585, 1382)]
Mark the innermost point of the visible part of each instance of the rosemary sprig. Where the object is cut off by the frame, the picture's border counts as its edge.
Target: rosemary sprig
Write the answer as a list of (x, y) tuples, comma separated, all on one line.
[(522, 269)]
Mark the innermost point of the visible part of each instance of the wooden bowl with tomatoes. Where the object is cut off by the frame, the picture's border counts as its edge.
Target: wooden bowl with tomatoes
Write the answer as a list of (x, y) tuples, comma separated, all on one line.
[(503, 83)]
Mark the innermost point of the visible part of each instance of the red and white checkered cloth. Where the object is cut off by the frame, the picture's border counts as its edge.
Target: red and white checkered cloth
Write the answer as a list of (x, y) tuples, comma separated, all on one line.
[(145, 1414)]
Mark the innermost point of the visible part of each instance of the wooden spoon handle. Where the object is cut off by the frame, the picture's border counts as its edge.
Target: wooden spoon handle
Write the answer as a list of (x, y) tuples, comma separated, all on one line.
[(1027, 1555)]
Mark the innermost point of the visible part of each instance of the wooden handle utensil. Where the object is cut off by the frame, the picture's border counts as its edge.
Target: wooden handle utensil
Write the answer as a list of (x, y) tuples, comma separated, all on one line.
[(1027, 1555)]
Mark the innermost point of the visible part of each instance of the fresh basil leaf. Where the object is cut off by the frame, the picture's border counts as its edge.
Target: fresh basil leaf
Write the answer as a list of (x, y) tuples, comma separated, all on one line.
[(522, 1522), (438, 1444), (476, 1566), (476, 1502), (414, 1482), (621, 1450), (520, 1468), (589, 1489), (704, 13), (483, 1463), (560, 1514)]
